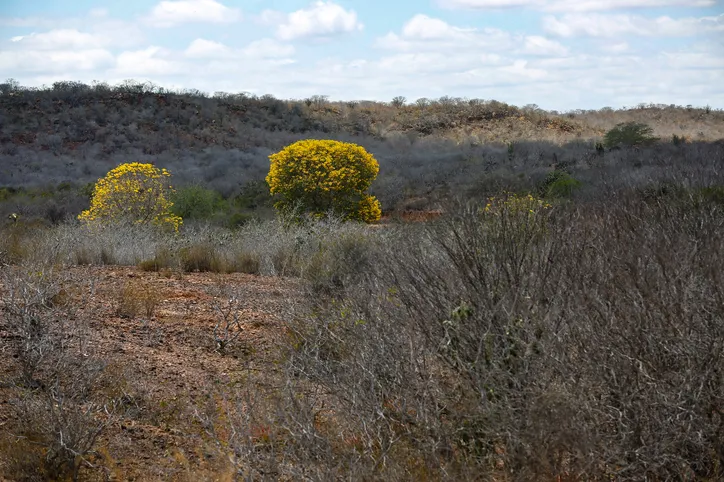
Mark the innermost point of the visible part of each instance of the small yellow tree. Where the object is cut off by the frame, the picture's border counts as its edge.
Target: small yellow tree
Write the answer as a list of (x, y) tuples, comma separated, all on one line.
[(133, 192), (324, 175)]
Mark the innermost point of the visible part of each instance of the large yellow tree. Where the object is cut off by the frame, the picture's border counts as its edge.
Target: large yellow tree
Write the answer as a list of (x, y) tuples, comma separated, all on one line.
[(133, 192), (324, 175)]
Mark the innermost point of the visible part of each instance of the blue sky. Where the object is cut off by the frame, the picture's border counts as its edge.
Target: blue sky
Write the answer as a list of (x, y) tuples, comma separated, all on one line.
[(558, 54)]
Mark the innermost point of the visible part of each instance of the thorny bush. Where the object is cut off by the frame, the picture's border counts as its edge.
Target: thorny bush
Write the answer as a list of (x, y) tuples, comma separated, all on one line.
[(585, 342)]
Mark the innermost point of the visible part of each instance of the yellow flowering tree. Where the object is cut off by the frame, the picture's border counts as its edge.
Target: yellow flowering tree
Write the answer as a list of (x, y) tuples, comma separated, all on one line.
[(133, 192), (324, 175)]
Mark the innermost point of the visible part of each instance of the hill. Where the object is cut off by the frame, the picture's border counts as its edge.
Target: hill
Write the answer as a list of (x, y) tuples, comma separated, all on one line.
[(55, 140)]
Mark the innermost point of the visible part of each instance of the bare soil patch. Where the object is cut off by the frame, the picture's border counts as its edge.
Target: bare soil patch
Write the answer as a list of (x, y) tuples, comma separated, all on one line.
[(166, 364)]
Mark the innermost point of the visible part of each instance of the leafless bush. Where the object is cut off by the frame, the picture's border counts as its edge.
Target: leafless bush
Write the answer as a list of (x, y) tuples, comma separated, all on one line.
[(269, 431), (63, 423), (586, 344), (645, 337), (331, 253), (30, 292), (228, 326), (56, 416), (127, 244)]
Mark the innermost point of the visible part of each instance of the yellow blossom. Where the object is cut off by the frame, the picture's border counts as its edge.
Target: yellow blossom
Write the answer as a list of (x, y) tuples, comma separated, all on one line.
[(324, 175), (133, 190)]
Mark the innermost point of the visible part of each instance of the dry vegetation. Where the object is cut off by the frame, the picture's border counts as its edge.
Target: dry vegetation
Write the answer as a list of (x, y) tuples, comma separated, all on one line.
[(54, 141), (585, 342), (580, 341)]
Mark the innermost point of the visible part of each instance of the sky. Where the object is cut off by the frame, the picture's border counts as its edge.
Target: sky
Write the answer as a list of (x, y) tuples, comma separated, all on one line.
[(558, 54)]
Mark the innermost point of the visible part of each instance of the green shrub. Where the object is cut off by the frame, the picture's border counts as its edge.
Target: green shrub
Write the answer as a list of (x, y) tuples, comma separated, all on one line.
[(87, 190), (678, 140), (253, 195), (205, 257), (628, 134), (238, 219), (559, 184), (65, 186), (196, 202), (711, 194), (6, 193)]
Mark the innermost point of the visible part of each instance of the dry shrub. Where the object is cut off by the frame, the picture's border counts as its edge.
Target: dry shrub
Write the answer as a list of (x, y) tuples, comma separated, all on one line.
[(208, 257), (246, 262), (228, 325), (336, 260), (107, 257), (56, 411), (137, 298), (163, 259), (83, 256), (582, 343), (201, 258), (249, 424), (20, 241)]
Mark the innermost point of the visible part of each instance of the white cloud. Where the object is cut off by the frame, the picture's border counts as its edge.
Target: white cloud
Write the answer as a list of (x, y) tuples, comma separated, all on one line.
[(57, 51), (407, 64), (616, 48), (604, 25), (537, 45), (268, 48), (695, 60), (270, 18), (426, 34), (323, 19), (688, 76), (572, 5), (95, 29), (28, 22), (424, 57), (55, 61), (117, 33), (169, 13), (151, 61), (423, 33), (258, 49), (58, 40), (488, 4), (205, 49), (427, 28), (520, 68), (98, 12)]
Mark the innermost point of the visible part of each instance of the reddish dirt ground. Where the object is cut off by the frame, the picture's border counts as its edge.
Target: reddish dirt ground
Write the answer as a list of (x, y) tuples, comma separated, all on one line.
[(167, 363)]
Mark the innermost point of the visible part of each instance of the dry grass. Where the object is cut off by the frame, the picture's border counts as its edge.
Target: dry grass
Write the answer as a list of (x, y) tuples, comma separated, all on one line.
[(137, 298)]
